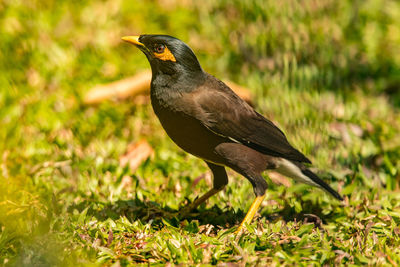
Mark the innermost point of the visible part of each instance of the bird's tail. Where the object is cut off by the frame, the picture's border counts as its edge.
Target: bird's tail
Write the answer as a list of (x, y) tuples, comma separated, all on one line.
[(299, 173), (321, 183)]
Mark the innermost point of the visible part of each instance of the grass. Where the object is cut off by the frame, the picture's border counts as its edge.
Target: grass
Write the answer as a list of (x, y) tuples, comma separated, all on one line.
[(325, 72)]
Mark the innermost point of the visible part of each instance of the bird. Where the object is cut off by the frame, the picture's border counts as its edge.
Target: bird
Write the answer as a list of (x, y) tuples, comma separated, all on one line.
[(205, 118)]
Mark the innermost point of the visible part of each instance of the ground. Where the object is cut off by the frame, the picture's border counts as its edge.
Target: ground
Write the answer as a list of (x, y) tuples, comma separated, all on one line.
[(325, 72)]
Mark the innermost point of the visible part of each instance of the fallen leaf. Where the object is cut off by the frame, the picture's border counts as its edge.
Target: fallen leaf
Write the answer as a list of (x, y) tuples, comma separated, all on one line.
[(375, 238), (341, 131), (241, 91), (126, 182), (396, 230), (139, 84), (136, 154), (178, 189), (206, 176), (342, 253), (135, 85), (110, 237), (356, 130), (287, 240), (338, 110), (380, 254), (198, 179)]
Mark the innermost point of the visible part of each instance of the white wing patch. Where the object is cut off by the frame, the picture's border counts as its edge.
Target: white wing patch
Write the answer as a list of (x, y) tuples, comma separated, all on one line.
[(289, 169), (234, 140), (230, 138)]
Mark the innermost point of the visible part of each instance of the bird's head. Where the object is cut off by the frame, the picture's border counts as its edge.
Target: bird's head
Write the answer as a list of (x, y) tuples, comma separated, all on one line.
[(166, 54)]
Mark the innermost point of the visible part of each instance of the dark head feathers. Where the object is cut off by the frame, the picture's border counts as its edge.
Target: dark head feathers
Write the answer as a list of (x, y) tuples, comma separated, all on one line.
[(186, 60)]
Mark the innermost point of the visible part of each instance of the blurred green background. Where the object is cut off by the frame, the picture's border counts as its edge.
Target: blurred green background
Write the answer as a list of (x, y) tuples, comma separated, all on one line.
[(327, 72)]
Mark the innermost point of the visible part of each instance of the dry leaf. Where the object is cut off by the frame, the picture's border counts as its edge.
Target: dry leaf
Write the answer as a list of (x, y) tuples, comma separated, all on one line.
[(178, 189), (206, 176), (356, 130), (136, 154), (135, 85), (198, 179), (110, 237), (126, 183), (341, 131), (241, 91), (140, 84), (396, 230)]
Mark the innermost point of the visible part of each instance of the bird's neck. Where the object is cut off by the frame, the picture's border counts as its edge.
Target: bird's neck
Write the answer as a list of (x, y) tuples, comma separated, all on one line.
[(167, 90), (177, 82)]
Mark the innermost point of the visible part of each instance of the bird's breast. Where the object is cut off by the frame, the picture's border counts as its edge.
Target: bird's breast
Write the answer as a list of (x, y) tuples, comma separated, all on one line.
[(186, 131)]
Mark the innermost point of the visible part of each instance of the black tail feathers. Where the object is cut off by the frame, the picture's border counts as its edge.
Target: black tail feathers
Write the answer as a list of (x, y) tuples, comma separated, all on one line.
[(321, 183)]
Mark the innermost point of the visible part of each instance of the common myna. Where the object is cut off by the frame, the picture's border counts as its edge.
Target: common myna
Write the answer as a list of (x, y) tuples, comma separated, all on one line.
[(204, 117)]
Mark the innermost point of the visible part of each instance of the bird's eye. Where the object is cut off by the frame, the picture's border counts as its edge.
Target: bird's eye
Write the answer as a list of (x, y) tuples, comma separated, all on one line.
[(159, 48)]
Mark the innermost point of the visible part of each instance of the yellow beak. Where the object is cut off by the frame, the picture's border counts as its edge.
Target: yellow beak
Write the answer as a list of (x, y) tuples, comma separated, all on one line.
[(133, 40)]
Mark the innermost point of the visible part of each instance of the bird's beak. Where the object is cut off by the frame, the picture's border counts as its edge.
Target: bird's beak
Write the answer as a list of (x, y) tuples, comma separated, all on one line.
[(133, 40)]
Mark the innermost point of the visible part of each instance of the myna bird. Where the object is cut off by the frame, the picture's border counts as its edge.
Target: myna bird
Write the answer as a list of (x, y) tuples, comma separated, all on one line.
[(204, 117)]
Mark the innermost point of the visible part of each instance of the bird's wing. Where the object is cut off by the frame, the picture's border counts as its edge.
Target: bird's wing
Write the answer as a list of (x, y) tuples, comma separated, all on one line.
[(219, 109)]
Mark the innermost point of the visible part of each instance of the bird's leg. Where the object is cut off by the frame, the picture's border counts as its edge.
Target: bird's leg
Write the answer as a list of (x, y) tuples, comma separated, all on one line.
[(203, 198), (253, 174), (220, 179), (252, 211)]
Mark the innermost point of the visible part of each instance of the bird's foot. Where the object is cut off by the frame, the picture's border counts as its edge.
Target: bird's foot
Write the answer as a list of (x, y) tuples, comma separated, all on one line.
[(187, 210), (250, 214)]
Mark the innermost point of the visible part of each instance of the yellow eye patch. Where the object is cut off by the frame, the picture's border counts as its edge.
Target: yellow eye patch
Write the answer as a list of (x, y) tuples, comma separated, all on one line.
[(165, 55)]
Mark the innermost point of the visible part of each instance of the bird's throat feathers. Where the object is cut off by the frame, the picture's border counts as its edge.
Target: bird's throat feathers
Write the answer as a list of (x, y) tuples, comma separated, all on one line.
[(175, 77), (176, 83)]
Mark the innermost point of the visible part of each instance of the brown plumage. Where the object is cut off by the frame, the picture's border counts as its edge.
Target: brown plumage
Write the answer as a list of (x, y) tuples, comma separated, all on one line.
[(206, 118)]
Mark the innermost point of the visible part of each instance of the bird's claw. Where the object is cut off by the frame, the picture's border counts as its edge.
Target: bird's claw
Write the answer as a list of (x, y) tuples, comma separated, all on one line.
[(185, 211)]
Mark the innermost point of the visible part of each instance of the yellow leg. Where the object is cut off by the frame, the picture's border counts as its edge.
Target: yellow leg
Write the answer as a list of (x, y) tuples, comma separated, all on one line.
[(201, 199), (252, 211)]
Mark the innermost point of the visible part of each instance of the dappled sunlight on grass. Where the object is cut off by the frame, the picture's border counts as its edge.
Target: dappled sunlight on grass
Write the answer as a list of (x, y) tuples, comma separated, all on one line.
[(325, 72)]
